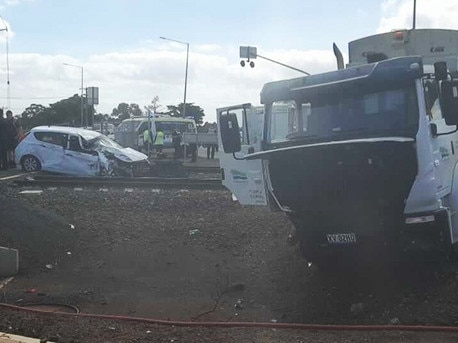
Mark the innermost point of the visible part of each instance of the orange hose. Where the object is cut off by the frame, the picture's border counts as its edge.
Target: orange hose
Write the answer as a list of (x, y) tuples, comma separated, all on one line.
[(296, 326)]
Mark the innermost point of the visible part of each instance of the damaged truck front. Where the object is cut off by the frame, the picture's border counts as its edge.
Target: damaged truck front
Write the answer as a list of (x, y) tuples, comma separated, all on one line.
[(362, 160)]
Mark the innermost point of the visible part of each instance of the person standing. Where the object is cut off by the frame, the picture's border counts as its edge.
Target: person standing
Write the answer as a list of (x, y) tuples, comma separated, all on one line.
[(147, 141), (13, 129), (211, 147), (3, 142), (176, 141), (159, 141)]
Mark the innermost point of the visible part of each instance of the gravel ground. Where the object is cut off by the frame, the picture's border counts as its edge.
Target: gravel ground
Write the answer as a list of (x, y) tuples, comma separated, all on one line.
[(197, 255)]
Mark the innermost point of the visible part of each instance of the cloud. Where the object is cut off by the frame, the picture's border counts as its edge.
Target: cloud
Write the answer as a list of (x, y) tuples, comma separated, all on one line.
[(215, 77), (10, 3), (398, 14)]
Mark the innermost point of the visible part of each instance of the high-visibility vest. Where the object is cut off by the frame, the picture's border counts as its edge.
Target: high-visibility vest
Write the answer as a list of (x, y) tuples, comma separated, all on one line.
[(146, 136), (159, 138)]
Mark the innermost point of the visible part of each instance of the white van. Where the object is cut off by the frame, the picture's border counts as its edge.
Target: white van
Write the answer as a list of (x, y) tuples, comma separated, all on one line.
[(130, 132)]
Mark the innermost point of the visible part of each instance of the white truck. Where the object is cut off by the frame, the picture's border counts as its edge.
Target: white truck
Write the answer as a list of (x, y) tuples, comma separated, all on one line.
[(362, 159)]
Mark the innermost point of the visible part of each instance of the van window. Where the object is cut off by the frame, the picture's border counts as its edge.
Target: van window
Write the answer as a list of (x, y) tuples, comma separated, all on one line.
[(168, 126), (143, 127)]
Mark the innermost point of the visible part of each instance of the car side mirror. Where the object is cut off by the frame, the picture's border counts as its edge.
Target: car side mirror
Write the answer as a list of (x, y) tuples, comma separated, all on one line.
[(230, 132), (449, 101)]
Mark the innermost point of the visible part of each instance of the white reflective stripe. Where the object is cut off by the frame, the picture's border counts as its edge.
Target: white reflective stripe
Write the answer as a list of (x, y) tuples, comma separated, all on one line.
[(420, 220), (348, 141)]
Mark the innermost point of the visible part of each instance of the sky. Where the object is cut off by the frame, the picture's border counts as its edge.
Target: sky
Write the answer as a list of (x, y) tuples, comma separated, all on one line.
[(117, 44)]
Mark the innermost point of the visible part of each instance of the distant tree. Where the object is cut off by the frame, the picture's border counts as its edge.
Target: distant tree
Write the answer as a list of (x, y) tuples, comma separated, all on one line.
[(191, 111), (32, 111), (63, 112), (135, 110), (154, 106), (124, 111)]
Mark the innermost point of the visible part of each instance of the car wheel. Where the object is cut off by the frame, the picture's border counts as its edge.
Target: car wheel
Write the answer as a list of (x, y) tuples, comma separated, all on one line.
[(30, 163)]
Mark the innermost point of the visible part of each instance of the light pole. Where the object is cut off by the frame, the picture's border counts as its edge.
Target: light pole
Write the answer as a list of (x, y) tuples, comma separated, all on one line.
[(186, 71), (7, 66), (82, 89)]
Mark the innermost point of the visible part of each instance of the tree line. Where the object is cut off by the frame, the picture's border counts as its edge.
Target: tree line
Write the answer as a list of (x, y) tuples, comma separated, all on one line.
[(68, 112)]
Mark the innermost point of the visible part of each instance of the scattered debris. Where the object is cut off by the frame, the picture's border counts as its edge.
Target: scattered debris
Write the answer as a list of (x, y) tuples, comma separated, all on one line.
[(72, 226), (100, 264), (239, 304), (148, 331), (395, 321), (69, 252), (274, 320), (128, 190), (78, 189), (52, 188), (49, 266), (156, 190), (103, 189), (193, 232)]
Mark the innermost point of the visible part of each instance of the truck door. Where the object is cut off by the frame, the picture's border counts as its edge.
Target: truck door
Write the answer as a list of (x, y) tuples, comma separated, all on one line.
[(244, 178)]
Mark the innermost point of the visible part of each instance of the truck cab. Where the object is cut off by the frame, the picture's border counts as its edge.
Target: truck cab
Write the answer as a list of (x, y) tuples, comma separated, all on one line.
[(362, 160)]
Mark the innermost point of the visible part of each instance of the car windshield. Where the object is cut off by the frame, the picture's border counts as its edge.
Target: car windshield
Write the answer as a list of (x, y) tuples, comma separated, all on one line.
[(101, 142), (384, 112)]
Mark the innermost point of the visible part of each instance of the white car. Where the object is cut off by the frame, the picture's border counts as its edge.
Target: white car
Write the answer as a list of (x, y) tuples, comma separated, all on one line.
[(78, 152)]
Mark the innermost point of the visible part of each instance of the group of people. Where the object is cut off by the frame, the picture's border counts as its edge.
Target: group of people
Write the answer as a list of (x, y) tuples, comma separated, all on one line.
[(10, 131), (157, 142)]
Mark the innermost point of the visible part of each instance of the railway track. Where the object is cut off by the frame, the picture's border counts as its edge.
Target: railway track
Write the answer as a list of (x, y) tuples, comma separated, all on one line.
[(153, 182)]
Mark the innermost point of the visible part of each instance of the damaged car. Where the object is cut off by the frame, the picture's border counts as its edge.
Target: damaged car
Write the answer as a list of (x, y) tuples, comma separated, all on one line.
[(78, 152)]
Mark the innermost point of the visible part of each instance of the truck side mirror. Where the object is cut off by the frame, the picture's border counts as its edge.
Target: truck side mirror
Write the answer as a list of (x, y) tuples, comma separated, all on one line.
[(449, 101), (230, 132)]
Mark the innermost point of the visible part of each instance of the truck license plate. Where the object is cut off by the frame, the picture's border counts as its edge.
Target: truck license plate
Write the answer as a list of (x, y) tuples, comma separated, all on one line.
[(341, 238)]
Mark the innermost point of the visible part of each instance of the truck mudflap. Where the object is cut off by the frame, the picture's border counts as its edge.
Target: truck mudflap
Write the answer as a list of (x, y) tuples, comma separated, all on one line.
[(426, 232)]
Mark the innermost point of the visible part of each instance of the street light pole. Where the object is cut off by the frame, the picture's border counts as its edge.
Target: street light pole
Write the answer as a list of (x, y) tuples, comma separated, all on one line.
[(7, 67), (186, 71), (82, 89)]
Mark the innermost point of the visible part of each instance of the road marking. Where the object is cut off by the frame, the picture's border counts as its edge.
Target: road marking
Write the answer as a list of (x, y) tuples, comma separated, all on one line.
[(31, 191), (11, 177), (128, 190), (103, 190), (77, 189), (6, 281)]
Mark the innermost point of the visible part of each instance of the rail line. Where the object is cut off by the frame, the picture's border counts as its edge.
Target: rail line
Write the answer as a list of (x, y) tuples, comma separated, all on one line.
[(156, 182)]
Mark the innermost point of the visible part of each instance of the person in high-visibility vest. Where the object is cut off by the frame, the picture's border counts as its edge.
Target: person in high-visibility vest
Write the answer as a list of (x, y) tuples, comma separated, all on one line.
[(159, 141), (147, 140)]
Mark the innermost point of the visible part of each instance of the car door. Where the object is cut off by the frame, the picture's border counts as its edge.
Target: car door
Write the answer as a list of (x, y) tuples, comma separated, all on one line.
[(78, 161), (49, 150)]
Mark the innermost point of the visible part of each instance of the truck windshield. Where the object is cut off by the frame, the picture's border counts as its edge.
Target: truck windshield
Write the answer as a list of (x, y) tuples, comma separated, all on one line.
[(342, 116)]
